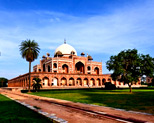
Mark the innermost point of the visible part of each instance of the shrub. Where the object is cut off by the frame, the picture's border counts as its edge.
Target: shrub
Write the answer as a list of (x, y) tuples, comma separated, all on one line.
[(36, 84), (143, 83), (109, 86)]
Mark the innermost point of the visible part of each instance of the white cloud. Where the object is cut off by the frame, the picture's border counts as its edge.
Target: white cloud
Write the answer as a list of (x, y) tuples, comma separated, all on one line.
[(129, 27)]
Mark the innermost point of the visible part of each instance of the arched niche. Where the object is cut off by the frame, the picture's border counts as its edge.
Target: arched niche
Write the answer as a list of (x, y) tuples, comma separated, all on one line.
[(79, 67), (65, 68)]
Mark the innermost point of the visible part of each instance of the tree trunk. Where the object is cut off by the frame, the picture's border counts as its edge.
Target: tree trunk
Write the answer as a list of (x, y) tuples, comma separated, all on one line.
[(29, 76), (130, 88)]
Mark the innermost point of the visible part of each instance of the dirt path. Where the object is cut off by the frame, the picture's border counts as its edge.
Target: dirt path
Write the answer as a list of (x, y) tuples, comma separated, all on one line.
[(72, 115)]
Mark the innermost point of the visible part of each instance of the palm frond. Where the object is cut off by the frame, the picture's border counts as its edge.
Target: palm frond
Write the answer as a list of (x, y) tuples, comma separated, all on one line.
[(29, 50)]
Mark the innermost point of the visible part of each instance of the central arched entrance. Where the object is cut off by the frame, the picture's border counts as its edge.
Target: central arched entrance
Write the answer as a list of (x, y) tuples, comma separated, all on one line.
[(79, 67)]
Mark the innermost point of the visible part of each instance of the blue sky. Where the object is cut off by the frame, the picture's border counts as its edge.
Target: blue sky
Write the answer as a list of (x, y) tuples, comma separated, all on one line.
[(100, 28)]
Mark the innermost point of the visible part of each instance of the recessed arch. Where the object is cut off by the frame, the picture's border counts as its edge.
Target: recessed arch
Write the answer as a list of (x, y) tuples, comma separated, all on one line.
[(63, 81), (79, 81), (71, 82), (88, 68), (55, 65), (85, 82), (92, 82), (43, 67), (54, 81), (79, 67), (98, 81), (96, 70), (45, 81), (48, 68), (65, 68), (103, 81)]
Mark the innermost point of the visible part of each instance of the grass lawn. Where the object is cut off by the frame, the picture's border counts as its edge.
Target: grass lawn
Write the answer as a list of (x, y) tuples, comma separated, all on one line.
[(12, 112), (140, 100)]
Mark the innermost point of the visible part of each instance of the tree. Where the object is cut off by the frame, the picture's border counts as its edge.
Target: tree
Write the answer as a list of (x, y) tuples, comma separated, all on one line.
[(3, 82), (128, 66), (30, 51), (147, 65), (37, 84)]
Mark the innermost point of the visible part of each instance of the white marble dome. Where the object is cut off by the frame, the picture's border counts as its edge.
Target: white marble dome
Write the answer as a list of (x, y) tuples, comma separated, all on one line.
[(66, 49)]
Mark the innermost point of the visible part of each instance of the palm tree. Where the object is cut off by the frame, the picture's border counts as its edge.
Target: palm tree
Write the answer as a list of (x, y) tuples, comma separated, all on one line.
[(29, 50), (36, 84)]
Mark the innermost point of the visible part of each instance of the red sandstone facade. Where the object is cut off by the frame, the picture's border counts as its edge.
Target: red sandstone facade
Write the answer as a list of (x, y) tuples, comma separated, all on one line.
[(66, 69)]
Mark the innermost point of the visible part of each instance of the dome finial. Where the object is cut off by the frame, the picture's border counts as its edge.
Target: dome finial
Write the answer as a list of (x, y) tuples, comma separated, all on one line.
[(64, 41), (66, 50)]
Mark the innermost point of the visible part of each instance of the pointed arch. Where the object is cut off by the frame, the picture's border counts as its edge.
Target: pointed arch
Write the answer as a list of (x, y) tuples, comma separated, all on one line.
[(71, 82), (85, 82), (79, 81), (99, 81), (103, 81), (45, 82), (92, 82), (65, 68), (63, 81), (55, 65), (96, 70), (54, 81), (79, 67)]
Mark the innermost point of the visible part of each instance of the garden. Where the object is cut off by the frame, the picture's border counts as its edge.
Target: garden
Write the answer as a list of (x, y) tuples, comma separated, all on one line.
[(141, 100)]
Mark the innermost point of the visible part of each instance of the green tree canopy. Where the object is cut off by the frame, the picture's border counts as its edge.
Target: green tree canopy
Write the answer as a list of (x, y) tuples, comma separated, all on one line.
[(3, 82), (128, 66), (147, 65), (30, 51)]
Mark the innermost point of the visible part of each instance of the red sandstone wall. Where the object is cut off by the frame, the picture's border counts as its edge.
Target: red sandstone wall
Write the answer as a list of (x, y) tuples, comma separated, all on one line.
[(98, 80)]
